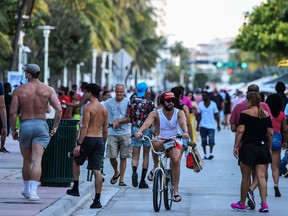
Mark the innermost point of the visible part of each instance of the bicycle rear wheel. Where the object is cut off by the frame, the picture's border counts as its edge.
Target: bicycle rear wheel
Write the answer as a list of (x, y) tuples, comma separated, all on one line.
[(157, 190), (168, 190)]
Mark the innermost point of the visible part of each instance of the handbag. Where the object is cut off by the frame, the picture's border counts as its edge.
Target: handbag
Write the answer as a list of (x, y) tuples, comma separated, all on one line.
[(198, 163), (189, 159)]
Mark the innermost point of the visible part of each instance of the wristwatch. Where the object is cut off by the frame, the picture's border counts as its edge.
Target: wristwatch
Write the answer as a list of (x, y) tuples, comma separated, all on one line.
[(78, 144)]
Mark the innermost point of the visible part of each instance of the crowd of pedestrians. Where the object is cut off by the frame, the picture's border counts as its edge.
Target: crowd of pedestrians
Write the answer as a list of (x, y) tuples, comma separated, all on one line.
[(109, 118)]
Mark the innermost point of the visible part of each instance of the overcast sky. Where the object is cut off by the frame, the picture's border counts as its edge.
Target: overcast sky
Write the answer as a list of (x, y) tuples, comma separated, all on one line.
[(199, 21)]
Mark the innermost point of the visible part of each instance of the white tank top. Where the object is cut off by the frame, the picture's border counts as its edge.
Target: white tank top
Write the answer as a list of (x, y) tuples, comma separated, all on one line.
[(168, 128)]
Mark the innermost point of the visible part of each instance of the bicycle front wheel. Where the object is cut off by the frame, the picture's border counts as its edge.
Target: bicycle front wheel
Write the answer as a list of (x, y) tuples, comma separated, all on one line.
[(168, 190), (157, 190)]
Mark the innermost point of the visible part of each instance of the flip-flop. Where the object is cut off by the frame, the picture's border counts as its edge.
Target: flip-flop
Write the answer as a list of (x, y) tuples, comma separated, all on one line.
[(122, 184), (177, 198), (150, 176), (114, 179)]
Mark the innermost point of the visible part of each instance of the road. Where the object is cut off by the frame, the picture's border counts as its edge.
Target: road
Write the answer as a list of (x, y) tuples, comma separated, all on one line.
[(208, 193)]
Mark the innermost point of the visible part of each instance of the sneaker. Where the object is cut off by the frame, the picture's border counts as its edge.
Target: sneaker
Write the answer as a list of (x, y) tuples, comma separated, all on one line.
[(34, 197), (73, 192), (211, 157), (96, 204), (251, 202), (238, 206), (264, 208), (25, 194), (143, 184), (204, 157), (135, 180), (277, 192)]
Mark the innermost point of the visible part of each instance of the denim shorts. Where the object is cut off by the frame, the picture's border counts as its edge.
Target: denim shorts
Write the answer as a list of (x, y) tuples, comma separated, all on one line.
[(137, 143), (277, 141), (210, 133)]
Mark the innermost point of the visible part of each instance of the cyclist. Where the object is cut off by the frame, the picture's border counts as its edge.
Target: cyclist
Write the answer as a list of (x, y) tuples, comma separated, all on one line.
[(168, 121)]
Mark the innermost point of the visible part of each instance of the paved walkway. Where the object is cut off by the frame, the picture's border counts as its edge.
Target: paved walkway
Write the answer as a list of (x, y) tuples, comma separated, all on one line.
[(213, 189), (11, 200)]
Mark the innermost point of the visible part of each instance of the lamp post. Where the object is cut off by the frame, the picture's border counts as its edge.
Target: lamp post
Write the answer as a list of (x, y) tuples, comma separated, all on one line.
[(46, 32), (78, 72), (94, 65)]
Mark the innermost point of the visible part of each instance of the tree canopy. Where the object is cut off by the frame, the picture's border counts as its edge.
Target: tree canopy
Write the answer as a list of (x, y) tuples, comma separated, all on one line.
[(80, 26), (265, 32)]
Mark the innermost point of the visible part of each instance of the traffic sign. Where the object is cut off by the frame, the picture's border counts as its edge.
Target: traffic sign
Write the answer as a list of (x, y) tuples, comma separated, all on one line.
[(122, 59)]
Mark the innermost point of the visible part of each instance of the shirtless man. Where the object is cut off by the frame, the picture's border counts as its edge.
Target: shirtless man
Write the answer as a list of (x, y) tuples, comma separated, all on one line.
[(3, 113), (32, 100), (91, 142), (167, 122)]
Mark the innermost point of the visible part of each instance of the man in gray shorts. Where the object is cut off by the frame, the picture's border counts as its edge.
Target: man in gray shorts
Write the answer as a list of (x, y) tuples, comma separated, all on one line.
[(119, 136), (91, 142), (32, 99)]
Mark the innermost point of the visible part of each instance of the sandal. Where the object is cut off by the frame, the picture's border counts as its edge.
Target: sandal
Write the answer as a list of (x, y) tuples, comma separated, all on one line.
[(150, 176), (177, 198), (122, 184), (114, 179)]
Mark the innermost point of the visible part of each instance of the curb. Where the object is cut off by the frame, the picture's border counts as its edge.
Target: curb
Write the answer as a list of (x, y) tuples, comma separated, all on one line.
[(68, 204)]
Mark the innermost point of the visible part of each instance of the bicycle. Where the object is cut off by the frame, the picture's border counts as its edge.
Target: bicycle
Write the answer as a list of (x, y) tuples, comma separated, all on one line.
[(162, 177)]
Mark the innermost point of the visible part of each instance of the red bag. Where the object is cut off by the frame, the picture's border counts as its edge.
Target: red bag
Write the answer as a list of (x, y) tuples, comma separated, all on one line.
[(189, 160), (194, 160)]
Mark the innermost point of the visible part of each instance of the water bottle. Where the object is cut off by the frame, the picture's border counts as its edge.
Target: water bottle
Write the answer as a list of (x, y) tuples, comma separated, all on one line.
[(64, 105)]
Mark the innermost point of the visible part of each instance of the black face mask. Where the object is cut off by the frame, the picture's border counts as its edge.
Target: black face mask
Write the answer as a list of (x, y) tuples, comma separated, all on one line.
[(60, 93)]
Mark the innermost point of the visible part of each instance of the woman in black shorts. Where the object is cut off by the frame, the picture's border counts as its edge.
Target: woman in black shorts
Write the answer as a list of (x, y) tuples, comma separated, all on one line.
[(255, 132)]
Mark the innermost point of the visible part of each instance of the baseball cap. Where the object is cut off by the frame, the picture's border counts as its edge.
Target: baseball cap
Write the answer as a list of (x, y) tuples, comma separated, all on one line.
[(31, 68), (141, 89), (168, 95)]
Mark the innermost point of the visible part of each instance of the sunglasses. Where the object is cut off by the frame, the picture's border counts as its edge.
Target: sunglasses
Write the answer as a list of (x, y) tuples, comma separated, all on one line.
[(173, 100)]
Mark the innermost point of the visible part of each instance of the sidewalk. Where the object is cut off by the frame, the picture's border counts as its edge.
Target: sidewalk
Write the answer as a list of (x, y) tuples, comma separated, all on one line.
[(53, 200)]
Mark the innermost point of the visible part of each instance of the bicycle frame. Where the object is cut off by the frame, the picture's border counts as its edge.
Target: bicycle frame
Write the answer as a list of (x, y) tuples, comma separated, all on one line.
[(162, 174)]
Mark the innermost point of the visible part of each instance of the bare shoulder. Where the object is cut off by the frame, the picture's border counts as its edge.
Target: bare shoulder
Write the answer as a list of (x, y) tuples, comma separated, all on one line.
[(186, 109), (181, 112), (154, 113), (247, 111), (266, 113)]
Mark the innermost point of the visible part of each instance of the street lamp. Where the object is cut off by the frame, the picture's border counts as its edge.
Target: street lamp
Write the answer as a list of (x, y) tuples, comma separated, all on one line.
[(78, 72), (46, 32)]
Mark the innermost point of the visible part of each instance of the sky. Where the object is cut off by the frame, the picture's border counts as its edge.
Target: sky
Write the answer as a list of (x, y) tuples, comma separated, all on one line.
[(200, 21)]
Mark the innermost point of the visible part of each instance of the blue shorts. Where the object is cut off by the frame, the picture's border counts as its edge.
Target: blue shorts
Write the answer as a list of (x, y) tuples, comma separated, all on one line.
[(136, 143), (34, 130), (210, 133), (277, 141)]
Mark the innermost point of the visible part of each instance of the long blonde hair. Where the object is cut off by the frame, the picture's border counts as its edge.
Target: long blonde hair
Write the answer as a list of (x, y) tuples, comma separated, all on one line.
[(255, 99)]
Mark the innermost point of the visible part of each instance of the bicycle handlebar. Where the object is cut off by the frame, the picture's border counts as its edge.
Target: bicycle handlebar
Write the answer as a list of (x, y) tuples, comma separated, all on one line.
[(178, 136), (144, 137)]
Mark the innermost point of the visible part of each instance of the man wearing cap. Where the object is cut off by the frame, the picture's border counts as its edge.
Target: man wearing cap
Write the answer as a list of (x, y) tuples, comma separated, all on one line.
[(137, 112), (32, 99), (167, 122)]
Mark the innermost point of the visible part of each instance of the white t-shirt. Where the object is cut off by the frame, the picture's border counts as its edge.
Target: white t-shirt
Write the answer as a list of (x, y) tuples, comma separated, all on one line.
[(286, 110), (207, 114)]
